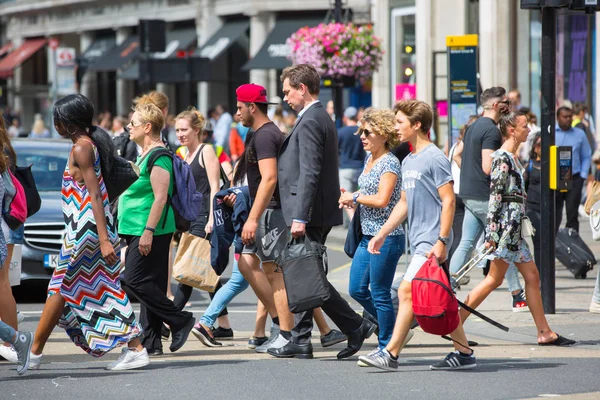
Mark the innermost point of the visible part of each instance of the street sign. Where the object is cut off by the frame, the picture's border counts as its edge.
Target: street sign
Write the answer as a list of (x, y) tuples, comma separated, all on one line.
[(65, 56), (462, 81), (53, 43)]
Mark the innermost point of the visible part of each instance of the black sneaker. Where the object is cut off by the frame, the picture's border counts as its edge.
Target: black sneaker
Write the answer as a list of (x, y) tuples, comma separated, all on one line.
[(455, 360), (254, 341), (381, 359), (222, 333), (204, 337), (333, 337), (519, 303)]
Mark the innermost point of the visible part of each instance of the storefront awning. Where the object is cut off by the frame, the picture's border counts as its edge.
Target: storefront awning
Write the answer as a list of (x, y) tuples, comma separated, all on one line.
[(19, 56), (99, 48), (5, 49), (273, 54), (118, 56), (177, 41), (229, 33)]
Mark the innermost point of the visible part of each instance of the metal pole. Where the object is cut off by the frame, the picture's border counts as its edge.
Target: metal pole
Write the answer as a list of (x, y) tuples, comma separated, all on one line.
[(548, 223), (54, 87), (338, 86)]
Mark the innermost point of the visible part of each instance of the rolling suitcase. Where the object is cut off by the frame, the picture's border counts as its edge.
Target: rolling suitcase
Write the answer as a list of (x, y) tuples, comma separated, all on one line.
[(573, 253)]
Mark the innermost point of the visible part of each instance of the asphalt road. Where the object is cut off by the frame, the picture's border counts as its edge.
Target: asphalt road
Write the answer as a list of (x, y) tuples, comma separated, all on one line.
[(511, 365)]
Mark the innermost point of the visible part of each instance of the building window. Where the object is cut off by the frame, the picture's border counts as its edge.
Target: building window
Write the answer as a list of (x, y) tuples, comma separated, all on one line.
[(403, 53)]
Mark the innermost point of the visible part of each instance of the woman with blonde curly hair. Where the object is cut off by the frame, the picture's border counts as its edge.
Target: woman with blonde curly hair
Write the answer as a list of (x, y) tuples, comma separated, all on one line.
[(379, 192)]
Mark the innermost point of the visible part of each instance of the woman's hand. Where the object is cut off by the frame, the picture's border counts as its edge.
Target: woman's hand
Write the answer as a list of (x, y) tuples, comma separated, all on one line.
[(209, 226), (145, 244), (108, 252), (491, 245), (346, 199)]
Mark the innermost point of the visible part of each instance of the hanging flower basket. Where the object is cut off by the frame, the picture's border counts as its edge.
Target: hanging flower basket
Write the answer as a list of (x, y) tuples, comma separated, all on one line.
[(337, 50)]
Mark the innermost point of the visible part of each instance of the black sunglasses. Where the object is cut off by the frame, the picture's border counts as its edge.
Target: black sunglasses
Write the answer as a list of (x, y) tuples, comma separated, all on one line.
[(507, 102), (365, 131)]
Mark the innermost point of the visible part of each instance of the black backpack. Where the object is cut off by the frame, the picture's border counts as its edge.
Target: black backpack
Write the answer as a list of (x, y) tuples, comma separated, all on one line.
[(125, 147)]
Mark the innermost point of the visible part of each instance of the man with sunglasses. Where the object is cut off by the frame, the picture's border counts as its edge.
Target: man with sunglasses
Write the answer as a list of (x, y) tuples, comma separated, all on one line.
[(481, 139)]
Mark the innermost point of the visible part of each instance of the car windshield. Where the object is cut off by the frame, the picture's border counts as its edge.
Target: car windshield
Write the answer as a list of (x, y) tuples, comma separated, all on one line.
[(48, 165)]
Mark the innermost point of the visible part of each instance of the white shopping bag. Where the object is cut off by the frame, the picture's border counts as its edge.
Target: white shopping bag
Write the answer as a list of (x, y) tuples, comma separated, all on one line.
[(14, 273)]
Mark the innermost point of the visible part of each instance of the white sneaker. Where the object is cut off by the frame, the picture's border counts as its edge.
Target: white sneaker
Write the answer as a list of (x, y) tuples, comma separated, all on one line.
[(278, 343), (23, 349), (595, 308), (20, 317), (34, 361), (9, 354), (407, 339), (130, 359), (581, 211)]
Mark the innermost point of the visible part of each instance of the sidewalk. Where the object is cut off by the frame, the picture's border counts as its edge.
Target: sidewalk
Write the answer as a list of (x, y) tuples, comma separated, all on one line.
[(571, 320)]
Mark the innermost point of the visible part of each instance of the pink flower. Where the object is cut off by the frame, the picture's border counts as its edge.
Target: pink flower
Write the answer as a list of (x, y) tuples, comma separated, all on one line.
[(504, 167), (493, 227)]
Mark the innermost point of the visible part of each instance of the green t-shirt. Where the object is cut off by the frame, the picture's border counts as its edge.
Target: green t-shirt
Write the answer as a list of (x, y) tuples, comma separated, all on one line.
[(135, 203)]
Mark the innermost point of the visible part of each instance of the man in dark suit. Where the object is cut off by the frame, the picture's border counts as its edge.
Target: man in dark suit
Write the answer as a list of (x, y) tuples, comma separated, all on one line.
[(309, 190)]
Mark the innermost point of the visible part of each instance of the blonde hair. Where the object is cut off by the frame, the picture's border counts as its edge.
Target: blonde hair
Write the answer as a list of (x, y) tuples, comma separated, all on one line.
[(38, 126), (159, 99), (150, 113), (195, 117), (382, 121)]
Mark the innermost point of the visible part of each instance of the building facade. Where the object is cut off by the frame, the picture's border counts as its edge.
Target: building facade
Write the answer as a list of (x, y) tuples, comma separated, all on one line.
[(245, 42)]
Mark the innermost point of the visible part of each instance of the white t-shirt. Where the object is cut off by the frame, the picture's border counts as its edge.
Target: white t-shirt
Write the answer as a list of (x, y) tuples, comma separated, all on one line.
[(455, 169)]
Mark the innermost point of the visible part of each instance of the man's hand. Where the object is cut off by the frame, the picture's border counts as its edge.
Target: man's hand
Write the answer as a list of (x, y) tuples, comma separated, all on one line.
[(439, 251), (249, 231), (298, 229), (490, 245), (229, 200), (375, 244)]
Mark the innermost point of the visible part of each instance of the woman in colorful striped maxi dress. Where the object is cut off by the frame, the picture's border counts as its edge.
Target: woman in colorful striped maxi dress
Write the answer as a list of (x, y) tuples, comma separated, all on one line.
[(85, 296)]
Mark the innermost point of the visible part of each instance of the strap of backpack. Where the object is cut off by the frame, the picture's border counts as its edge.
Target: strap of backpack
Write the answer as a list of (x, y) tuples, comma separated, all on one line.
[(153, 156), (483, 317)]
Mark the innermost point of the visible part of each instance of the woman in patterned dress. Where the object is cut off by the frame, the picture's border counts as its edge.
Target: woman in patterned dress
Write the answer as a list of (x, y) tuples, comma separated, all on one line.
[(85, 296), (371, 275), (503, 230)]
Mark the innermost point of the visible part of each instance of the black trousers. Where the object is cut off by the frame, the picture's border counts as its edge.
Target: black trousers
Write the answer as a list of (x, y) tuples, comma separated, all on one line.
[(534, 214), (336, 307), (459, 216), (572, 198), (146, 278)]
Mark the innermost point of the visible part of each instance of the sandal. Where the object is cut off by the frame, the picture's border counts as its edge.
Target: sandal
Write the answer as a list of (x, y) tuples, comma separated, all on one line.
[(559, 341)]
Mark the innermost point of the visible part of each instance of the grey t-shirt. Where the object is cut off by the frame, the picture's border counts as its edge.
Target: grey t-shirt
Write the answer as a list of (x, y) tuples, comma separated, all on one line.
[(422, 174)]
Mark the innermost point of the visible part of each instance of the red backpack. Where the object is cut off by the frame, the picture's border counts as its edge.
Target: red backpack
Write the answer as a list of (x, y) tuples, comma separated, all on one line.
[(434, 304), (14, 210)]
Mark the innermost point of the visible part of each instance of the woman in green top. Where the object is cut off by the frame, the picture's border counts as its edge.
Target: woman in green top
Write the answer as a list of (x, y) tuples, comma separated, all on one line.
[(147, 225)]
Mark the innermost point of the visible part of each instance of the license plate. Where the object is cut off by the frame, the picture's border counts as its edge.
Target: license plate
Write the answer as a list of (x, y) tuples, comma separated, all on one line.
[(51, 260)]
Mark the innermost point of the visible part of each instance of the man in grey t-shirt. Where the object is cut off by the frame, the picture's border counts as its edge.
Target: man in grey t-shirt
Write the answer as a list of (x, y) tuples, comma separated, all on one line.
[(423, 174), (428, 201)]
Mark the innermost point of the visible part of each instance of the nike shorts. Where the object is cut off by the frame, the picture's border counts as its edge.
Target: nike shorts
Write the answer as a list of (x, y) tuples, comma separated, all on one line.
[(272, 236)]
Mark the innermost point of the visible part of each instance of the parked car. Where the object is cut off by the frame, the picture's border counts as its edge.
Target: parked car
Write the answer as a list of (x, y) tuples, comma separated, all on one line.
[(44, 231)]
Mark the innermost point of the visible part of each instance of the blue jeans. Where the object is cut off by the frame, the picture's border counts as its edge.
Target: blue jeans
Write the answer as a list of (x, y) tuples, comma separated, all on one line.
[(7, 333), (473, 227), (376, 270), (234, 286)]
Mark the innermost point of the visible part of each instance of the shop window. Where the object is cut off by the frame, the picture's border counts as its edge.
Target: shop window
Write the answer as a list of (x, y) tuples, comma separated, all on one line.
[(403, 53)]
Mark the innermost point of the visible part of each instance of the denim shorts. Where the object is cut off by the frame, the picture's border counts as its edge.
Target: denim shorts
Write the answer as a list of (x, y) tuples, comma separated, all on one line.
[(16, 236)]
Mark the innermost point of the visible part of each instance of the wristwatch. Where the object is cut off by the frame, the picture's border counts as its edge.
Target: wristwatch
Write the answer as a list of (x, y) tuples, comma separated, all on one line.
[(444, 240), (355, 197)]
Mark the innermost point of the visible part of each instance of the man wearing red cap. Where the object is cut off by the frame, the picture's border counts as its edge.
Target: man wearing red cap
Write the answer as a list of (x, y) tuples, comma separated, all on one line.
[(265, 232)]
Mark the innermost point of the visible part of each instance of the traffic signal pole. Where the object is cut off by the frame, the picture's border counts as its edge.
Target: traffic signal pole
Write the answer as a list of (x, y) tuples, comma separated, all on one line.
[(548, 217)]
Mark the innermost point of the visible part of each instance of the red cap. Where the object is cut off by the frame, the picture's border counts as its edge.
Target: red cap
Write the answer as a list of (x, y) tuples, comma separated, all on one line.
[(251, 93)]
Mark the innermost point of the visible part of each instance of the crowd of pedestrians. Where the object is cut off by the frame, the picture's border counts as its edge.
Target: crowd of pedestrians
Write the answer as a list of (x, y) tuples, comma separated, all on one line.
[(300, 177)]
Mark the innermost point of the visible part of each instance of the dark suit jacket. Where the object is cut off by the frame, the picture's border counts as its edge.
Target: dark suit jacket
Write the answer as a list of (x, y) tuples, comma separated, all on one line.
[(308, 174)]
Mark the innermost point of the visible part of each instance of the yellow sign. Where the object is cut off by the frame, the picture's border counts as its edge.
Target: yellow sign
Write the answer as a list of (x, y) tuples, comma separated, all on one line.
[(462, 41)]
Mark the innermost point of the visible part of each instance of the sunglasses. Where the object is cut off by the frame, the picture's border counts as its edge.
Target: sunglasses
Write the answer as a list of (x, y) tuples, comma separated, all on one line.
[(365, 131), (506, 102)]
